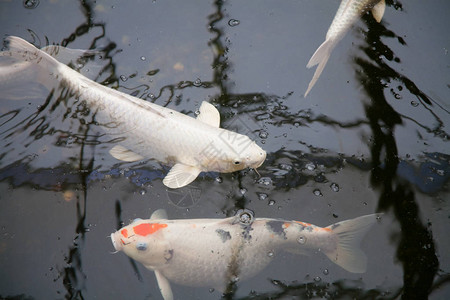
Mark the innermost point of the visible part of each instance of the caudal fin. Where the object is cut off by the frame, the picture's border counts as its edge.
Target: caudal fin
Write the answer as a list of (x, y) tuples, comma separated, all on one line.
[(349, 234), (28, 63), (320, 57), (24, 51)]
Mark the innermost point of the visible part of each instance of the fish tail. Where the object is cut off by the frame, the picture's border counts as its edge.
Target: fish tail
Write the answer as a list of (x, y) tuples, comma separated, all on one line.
[(24, 51), (347, 252), (320, 57), (30, 63)]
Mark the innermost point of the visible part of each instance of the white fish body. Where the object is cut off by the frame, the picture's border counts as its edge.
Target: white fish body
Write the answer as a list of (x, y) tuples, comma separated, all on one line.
[(148, 130), (348, 12), (214, 252)]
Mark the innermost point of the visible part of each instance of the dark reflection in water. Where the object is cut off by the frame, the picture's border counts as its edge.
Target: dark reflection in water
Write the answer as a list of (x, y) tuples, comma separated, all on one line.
[(392, 176), (416, 249)]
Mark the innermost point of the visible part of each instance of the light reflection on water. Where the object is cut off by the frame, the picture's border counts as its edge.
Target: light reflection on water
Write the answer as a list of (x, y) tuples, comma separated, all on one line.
[(384, 147)]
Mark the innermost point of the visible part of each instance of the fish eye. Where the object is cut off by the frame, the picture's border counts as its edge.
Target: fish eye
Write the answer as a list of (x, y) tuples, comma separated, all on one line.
[(141, 246), (236, 162)]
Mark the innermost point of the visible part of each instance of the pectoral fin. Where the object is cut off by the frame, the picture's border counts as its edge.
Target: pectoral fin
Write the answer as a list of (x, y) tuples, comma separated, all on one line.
[(180, 175), (164, 286), (122, 153), (378, 10), (209, 114)]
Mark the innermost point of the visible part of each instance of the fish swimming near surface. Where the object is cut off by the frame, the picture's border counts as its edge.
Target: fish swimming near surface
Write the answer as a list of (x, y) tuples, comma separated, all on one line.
[(147, 130), (215, 252), (348, 12)]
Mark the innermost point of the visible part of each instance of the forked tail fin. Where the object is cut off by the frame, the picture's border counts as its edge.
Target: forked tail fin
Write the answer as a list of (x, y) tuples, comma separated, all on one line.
[(320, 57), (349, 234)]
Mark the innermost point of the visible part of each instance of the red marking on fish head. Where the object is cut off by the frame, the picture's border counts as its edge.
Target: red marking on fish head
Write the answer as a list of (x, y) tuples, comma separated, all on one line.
[(145, 229), (286, 225), (124, 232)]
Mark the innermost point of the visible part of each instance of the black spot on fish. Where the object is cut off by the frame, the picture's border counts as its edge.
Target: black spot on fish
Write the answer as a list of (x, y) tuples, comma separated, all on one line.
[(334, 226), (246, 233), (168, 255), (224, 235), (277, 228)]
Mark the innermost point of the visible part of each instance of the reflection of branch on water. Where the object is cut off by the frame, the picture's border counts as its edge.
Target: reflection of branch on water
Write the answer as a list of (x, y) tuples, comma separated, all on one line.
[(416, 250), (341, 289)]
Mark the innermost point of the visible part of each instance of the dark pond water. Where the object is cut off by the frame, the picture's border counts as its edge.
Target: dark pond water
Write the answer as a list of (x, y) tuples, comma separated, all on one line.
[(372, 136)]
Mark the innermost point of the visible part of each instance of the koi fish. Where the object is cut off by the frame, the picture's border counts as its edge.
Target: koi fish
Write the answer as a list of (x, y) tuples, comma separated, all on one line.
[(347, 13), (214, 252), (191, 145)]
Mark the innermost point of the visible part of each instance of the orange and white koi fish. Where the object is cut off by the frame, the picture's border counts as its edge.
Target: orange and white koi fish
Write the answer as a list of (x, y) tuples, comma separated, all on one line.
[(347, 13), (215, 252), (147, 130)]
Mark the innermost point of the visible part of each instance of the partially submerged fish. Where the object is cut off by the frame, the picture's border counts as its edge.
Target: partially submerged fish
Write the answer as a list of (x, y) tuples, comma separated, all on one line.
[(214, 252), (148, 130), (348, 12)]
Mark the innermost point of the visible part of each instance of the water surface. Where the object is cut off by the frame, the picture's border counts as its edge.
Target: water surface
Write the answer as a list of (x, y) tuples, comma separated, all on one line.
[(372, 136)]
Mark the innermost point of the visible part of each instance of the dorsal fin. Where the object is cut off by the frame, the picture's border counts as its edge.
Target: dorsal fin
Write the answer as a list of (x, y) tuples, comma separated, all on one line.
[(209, 114)]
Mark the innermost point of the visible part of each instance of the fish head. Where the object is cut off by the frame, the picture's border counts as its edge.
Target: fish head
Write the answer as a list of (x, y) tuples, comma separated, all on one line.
[(143, 241), (232, 152)]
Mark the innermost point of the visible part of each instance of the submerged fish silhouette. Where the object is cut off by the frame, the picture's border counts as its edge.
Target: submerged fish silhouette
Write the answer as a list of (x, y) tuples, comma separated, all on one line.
[(149, 130), (348, 12), (212, 252)]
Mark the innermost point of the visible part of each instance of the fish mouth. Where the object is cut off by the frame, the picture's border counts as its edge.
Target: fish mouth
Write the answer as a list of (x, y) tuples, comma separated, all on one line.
[(116, 242), (261, 161)]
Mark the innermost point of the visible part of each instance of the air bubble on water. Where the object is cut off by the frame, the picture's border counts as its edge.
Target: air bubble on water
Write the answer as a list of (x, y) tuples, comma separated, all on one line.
[(262, 196), (123, 78), (319, 178), (219, 179), (143, 58), (310, 166), (263, 134), (265, 181), (211, 290), (243, 191), (197, 82), (317, 279), (270, 254), (271, 202), (317, 192), (334, 187), (233, 22), (142, 192), (440, 172), (30, 4), (414, 103), (286, 167), (301, 240), (326, 272)]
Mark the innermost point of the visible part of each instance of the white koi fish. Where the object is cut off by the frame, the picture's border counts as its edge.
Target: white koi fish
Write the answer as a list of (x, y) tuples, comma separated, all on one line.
[(348, 12), (215, 252), (191, 145)]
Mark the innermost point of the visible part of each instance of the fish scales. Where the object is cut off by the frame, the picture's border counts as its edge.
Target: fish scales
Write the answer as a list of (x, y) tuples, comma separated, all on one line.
[(214, 252), (145, 130)]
